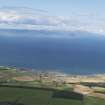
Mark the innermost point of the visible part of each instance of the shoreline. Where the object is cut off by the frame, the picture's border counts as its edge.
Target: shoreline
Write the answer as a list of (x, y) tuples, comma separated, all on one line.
[(53, 70), (61, 71), (59, 76)]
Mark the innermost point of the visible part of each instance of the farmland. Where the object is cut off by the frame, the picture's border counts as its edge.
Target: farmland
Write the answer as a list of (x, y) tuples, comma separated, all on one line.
[(27, 96), (19, 87)]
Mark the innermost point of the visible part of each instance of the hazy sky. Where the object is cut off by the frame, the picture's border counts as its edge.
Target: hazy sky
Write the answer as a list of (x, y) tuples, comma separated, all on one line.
[(85, 15), (60, 7)]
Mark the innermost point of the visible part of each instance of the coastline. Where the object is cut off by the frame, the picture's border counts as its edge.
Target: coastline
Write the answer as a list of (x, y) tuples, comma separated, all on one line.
[(66, 77), (60, 71)]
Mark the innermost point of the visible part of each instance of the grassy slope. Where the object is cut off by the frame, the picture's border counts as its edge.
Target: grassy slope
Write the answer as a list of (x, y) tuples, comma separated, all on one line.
[(33, 97), (42, 97), (94, 101)]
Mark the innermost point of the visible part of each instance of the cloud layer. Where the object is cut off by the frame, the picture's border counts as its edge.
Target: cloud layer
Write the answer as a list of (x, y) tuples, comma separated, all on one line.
[(28, 18)]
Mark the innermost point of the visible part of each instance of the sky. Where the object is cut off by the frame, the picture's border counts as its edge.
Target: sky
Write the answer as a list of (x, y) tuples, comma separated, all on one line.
[(67, 15)]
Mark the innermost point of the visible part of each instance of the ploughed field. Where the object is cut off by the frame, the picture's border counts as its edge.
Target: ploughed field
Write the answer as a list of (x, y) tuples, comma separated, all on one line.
[(37, 96)]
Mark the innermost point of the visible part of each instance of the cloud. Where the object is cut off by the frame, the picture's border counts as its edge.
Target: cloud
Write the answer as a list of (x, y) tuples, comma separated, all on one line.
[(27, 18)]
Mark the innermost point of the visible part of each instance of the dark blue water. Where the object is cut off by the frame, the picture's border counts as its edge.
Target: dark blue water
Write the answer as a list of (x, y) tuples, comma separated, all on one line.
[(77, 55)]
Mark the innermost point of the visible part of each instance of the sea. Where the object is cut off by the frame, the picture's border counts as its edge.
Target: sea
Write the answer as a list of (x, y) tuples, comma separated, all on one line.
[(69, 52)]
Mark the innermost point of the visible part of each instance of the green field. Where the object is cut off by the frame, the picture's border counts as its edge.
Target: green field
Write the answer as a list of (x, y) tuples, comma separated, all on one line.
[(33, 97), (28, 96)]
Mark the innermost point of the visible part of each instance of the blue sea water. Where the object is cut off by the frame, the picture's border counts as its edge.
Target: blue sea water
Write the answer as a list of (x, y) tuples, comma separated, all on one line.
[(76, 55)]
